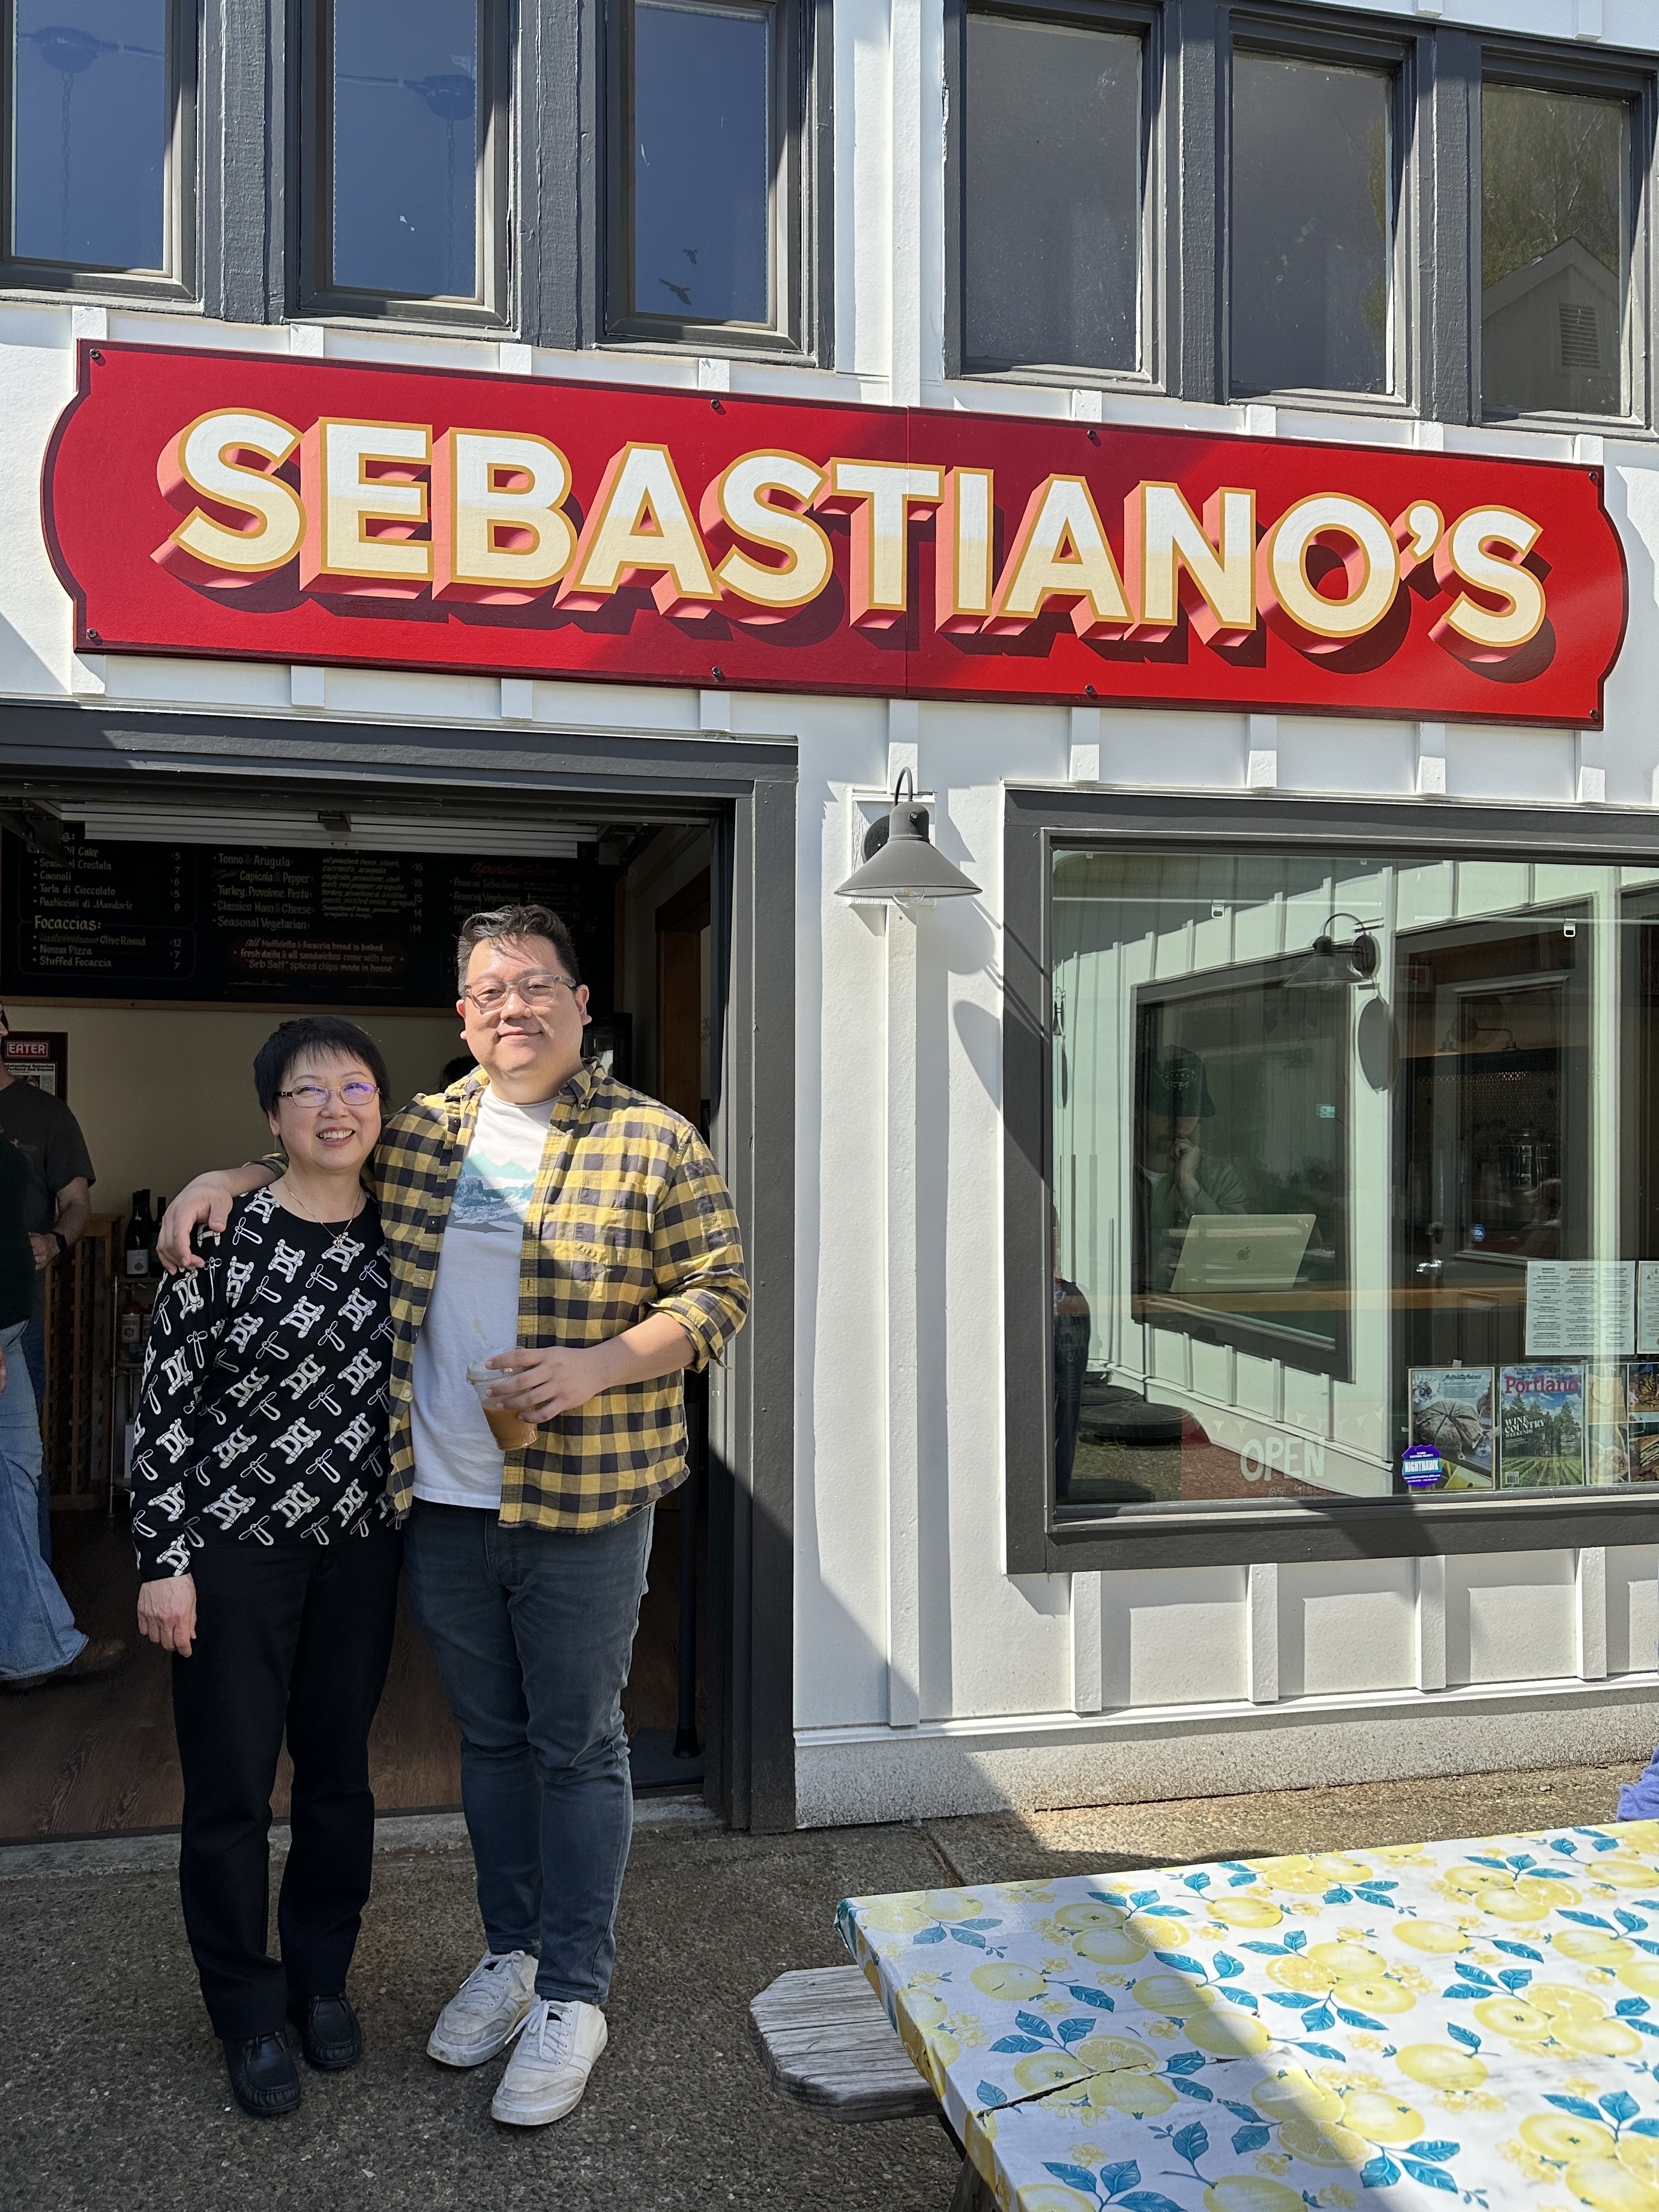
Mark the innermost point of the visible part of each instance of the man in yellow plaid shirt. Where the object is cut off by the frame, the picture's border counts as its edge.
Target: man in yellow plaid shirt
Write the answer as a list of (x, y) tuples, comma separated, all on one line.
[(562, 1248)]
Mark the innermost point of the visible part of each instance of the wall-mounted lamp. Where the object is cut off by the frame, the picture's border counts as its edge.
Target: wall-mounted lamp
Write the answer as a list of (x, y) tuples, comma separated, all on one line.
[(902, 866), (1332, 961)]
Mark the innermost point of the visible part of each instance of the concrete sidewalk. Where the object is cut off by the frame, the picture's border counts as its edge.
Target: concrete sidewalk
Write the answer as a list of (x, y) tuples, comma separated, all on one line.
[(112, 2092)]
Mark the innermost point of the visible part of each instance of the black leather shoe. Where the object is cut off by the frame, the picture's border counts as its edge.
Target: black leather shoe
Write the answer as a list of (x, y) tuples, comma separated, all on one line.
[(263, 2079), (329, 2034)]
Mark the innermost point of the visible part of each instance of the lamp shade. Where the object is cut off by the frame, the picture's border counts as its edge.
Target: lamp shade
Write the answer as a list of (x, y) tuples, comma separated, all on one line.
[(1331, 965), (903, 864)]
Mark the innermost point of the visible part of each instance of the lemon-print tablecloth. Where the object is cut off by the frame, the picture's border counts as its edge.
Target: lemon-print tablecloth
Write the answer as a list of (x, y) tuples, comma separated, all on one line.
[(1432, 2024)]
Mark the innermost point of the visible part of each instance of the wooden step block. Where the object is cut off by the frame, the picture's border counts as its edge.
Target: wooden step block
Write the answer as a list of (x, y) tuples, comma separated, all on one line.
[(827, 2042)]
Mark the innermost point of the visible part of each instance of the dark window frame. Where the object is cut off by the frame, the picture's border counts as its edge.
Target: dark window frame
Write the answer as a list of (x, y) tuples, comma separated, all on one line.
[(1243, 1532), (799, 200), (1555, 66), (1159, 238), (315, 293), (1307, 36), (181, 185)]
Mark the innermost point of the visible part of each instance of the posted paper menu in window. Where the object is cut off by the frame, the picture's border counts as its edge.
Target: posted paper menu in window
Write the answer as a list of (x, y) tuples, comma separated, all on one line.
[(1584, 1310)]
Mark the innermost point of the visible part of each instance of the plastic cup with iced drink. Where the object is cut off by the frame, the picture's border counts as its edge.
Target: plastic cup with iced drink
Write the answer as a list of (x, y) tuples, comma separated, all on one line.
[(510, 1430)]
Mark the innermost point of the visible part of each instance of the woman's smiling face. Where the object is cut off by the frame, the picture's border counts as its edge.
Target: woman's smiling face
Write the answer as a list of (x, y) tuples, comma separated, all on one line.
[(337, 1130)]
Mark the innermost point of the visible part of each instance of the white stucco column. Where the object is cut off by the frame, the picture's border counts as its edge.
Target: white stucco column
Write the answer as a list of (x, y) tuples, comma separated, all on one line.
[(903, 1410)]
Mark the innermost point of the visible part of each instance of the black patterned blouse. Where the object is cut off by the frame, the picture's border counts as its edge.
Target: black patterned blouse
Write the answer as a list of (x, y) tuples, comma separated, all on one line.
[(263, 1414)]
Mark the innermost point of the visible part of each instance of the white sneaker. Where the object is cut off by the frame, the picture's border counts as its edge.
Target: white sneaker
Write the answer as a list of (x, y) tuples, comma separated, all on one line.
[(546, 2075), (487, 2011)]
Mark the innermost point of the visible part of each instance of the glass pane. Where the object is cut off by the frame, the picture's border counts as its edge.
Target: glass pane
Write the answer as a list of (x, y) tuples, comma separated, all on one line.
[(1356, 1177), (1052, 157), (1554, 251), (1312, 218), (90, 133), (702, 163), (407, 136)]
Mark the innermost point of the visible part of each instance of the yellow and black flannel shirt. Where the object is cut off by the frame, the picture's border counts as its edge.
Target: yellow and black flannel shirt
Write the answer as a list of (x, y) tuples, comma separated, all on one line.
[(630, 1217)]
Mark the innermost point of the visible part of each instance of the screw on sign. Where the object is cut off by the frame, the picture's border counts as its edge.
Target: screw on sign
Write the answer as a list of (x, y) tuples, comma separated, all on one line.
[(326, 511)]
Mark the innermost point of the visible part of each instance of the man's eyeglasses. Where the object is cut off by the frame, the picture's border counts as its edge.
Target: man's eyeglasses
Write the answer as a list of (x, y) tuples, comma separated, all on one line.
[(313, 1096), (537, 992)]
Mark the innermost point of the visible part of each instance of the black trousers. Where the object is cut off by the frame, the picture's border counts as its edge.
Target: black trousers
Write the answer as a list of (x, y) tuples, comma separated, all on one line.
[(294, 1641)]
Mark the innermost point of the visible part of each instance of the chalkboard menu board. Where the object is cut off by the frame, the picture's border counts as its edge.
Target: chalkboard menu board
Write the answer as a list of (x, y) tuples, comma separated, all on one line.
[(263, 926)]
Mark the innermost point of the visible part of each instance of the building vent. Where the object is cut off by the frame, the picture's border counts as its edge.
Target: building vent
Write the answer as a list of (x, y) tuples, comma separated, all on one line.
[(1580, 346)]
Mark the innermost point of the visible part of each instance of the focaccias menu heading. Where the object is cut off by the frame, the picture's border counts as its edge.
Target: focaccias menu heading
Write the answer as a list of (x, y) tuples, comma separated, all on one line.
[(252, 505)]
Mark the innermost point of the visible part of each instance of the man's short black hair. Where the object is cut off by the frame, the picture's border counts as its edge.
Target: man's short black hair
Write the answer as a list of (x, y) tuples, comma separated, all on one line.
[(514, 922), (329, 1034)]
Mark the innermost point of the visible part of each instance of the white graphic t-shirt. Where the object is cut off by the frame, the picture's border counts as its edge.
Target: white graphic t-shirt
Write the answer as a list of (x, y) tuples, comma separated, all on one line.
[(474, 1312)]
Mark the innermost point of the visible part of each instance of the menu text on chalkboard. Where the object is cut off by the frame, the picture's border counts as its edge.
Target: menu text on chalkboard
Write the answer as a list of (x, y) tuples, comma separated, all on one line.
[(273, 926)]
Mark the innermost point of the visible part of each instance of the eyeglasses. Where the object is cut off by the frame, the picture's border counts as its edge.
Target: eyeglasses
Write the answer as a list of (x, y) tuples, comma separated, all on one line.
[(313, 1096), (537, 992)]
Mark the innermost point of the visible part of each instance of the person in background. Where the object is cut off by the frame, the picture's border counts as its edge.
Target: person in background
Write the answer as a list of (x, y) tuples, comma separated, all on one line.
[(569, 1242), (57, 1211), (267, 1563), (1074, 1327), (1178, 1175), (40, 1642)]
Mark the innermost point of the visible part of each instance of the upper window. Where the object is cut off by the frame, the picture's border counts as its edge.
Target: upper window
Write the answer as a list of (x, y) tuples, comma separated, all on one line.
[(705, 126), (1555, 252), (1052, 190), (406, 125), (1312, 255), (99, 159)]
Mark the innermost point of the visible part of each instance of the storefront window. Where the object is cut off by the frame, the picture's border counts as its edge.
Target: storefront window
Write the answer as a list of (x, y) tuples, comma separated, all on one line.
[(1355, 1177)]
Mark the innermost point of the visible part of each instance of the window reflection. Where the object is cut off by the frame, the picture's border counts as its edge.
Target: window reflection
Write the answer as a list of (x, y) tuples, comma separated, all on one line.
[(703, 162), (406, 140), (1052, 154), (1554, 253), (1312, 223), (1354, 1176), (90, 126)]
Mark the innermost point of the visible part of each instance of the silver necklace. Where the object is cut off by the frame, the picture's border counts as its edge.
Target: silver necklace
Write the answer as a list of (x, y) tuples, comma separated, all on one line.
[(306, 1214)]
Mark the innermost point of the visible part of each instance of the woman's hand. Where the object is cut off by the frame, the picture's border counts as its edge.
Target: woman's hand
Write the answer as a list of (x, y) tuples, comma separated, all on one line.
[(206, 1202), (166, 1613)]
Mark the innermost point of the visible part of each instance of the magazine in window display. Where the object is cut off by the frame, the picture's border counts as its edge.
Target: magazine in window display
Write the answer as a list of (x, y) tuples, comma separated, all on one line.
[(1452, 1410), (1607, 1437), (1642, 1400), (1540, 1426)]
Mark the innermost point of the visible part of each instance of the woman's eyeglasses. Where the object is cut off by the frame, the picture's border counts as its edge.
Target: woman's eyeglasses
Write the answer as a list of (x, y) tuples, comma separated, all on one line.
[(537, 992), (313, 1096)]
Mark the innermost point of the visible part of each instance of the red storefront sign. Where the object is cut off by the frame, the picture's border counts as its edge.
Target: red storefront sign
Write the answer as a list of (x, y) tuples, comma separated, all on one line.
[(246, 506)]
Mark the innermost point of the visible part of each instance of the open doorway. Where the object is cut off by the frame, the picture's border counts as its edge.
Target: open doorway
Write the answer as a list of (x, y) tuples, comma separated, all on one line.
[(152, 950)]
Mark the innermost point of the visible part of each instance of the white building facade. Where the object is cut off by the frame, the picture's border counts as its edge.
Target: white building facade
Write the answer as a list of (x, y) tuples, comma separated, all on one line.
[(1286, 1101)]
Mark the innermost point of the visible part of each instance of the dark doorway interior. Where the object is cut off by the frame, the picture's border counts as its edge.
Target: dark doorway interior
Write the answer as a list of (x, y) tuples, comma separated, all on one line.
[(100, 1757)]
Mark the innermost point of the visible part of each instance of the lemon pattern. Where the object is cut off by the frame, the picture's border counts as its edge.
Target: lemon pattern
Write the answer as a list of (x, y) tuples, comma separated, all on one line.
[(1470, 2023)]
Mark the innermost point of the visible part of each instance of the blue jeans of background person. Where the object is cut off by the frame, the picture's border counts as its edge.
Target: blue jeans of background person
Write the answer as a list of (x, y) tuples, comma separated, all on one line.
[(38, 1633), (532, 1629), (34, 1358), (20, 1429)]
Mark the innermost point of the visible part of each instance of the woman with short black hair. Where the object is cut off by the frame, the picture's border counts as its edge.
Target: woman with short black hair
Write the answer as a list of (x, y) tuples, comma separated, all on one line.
[(268, 1564)]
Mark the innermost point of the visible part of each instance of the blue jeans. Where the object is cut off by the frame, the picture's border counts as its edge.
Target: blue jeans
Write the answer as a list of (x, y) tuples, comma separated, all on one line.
[(532, 1629), (20, 1427), (37, 1628), (34, 1358)]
